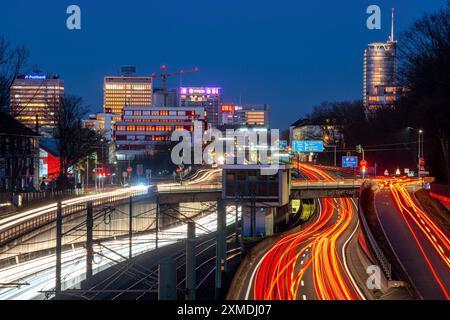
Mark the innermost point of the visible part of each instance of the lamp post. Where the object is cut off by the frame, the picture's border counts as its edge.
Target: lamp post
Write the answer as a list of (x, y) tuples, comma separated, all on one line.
[(419, 147)]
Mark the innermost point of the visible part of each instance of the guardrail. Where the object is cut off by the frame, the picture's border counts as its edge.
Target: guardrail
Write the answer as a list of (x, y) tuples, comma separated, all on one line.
[(188, 188), (20, 224), (307, 184), (381, 258)]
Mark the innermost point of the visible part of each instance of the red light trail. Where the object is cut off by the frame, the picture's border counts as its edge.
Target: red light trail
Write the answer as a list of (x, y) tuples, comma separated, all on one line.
[(411, 213), (282, 270)]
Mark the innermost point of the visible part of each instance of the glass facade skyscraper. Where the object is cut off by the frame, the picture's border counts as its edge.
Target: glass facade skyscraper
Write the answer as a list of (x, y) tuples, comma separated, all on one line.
[(380, 72), (34, 100)]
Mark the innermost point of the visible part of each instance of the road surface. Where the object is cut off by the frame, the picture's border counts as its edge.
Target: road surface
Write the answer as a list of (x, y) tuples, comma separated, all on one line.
[(310, 263), (421, 246)]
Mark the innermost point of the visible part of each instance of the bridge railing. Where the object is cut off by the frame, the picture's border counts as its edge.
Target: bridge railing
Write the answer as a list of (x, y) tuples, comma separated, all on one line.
[(190, 188), (310, 184), (28, 221)]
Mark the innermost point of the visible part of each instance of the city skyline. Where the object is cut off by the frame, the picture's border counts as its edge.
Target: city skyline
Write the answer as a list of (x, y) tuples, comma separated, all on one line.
[(245, 61)]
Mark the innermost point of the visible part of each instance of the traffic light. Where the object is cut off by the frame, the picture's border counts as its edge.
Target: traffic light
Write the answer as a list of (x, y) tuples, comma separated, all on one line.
[(102, 173), (358, 148), (364, 169)]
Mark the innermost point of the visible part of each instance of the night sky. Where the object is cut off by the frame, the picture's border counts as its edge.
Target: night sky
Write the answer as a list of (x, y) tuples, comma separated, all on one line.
[(289, 54)]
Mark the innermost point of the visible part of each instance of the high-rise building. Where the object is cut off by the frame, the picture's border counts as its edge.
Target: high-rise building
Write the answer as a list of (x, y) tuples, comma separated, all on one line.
[(126, 90), (142, 128), (171, 97), (35, 99), (209, 98), (245, 115), (380, 71)]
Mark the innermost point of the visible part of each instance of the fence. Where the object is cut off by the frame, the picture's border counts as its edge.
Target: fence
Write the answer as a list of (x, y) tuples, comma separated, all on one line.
[(31, 197), (13, 227)]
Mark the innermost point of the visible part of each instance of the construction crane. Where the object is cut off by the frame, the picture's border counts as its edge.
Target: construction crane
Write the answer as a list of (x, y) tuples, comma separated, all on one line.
[(164, 75)]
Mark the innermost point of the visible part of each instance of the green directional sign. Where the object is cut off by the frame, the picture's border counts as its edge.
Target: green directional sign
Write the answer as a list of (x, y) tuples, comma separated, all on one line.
[(94, 155), (359, 148)]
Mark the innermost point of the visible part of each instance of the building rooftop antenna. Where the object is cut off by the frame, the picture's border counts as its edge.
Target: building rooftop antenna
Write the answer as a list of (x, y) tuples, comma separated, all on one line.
[(391, 38)]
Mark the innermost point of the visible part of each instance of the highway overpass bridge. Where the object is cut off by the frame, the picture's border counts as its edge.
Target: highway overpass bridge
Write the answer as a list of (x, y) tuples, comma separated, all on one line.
[(299, 189)]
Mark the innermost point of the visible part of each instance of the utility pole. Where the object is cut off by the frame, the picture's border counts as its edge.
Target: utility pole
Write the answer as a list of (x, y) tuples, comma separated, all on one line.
[(335, 155), (220, 245), (253, 217), (58, 250), (157, 222), (130, 229), (167, 279), (89, 239), (237, 222), (87, 171), (190, 261)]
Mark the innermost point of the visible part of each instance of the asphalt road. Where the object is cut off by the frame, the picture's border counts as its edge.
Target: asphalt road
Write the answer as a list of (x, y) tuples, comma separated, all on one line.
[(309, 263), (429, 274)]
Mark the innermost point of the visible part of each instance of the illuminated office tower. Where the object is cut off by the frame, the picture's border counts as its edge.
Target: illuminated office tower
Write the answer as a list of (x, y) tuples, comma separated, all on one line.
[(34, 100), (245, 115), (207, 97), (126, 90), (380, 71)]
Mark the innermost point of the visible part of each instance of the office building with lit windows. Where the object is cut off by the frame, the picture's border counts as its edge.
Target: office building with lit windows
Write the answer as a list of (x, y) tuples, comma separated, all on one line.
[(120, 91), (102, 123), (380, 72), (143, 129), (34, 100), (209, 98), (245, 115)]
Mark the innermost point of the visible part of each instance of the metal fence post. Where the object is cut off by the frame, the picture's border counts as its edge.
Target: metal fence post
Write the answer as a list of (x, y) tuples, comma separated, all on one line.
[(167, 279), (190, 261), (58, 250), (220, 246), (89, 239), (130, 229)]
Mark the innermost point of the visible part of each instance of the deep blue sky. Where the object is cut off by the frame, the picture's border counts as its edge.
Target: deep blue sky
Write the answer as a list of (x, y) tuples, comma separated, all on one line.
[(289, 54)]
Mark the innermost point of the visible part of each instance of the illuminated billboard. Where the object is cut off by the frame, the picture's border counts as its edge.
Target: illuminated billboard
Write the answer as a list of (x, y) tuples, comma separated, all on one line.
[(200, 90), (35, 77), (227, 108)]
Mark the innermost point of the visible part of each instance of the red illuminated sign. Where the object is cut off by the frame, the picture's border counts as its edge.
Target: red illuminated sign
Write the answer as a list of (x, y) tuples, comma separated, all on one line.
[(227, 108)]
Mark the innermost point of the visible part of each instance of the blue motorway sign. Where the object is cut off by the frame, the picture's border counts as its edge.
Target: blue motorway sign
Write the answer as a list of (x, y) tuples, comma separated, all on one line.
[(282, 144), (349, 162), (307, 146)]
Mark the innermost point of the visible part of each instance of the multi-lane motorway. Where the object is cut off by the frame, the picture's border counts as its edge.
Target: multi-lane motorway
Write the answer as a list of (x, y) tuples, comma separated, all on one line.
[(310, 263), (419, 243)]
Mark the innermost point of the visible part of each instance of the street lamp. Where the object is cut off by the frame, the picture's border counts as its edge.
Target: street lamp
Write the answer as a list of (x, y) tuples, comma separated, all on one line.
[(419, 146)]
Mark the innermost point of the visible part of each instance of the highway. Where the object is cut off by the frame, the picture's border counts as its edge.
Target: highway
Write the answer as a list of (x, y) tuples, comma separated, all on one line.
[(310, 263), (421, 246)]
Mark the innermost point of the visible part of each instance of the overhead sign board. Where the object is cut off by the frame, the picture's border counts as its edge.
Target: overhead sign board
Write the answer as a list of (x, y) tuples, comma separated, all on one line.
[(349, 162), (282, 144), (307, 146)]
